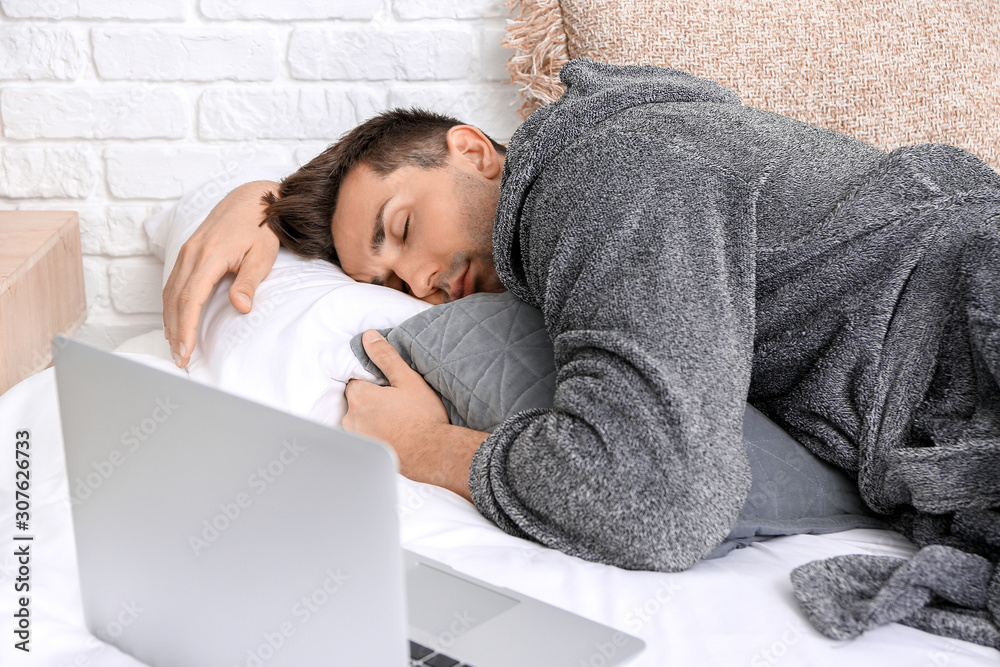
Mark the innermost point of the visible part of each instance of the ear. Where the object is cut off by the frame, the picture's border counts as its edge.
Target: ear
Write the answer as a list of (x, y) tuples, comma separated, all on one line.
[(471, 147)]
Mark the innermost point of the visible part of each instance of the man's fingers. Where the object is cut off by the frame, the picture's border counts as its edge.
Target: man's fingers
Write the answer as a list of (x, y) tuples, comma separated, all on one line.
[(172, 293), (187, 308), (169, 307), (253, 269), (230, 236), (386, 357), (356, 389)]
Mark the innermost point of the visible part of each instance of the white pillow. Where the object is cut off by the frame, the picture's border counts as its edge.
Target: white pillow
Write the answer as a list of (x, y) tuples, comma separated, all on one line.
[(292, 350)]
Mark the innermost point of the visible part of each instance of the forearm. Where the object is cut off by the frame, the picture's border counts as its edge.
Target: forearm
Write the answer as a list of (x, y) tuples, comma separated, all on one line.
[(230, 228), (616, 477), (247, 201), (442, 456)]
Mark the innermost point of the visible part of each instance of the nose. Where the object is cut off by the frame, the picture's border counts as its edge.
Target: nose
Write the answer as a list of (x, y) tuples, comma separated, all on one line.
[(421, 276)]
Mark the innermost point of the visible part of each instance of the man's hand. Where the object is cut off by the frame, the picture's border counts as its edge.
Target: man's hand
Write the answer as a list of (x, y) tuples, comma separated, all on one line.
[(231, 240), (409, 417)]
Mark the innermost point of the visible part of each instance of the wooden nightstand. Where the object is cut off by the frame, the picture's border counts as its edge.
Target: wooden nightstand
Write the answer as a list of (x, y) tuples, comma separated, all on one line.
[(41, 288)]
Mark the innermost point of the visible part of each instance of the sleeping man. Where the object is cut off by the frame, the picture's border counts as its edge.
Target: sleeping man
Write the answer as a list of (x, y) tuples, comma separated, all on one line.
[(688, 254)]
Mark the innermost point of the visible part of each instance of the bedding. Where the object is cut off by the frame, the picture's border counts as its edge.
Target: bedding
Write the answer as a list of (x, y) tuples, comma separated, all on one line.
[(292, 350), (736, 610), (489, 357)]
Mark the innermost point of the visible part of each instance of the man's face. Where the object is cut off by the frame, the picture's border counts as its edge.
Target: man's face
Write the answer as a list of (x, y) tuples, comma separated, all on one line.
[(427, 232)]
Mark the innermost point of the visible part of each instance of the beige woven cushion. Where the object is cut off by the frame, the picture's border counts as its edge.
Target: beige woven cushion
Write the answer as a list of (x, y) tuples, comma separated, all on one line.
[(888, 72)]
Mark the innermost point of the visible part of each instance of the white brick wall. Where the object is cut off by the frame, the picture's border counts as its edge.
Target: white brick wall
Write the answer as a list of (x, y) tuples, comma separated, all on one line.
[(93, 112), (31, 52), (287, 10), (115, 108), (186, 54), (96, 9), (285, 112), (374, 54)]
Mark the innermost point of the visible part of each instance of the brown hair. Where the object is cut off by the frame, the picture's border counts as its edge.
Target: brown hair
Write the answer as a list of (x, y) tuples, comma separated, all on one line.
[(301, 212)]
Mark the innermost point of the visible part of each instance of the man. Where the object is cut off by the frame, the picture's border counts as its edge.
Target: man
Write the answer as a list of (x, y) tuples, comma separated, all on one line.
[(687, 253)]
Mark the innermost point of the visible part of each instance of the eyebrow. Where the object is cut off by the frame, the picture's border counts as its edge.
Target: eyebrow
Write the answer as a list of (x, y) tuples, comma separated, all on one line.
[(378, 233)]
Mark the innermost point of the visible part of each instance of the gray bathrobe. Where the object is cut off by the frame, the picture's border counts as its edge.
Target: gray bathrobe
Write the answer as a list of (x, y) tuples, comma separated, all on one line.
[(688, 254)]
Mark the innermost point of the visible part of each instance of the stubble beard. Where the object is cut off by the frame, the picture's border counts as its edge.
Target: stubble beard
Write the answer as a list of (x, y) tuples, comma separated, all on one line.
[(479, 205)]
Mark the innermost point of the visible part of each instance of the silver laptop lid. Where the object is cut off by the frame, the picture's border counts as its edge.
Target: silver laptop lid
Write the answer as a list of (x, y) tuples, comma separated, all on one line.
[(252, 581)]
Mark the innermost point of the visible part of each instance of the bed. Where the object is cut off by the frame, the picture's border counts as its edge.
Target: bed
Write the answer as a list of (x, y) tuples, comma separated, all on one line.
[(733, 610)]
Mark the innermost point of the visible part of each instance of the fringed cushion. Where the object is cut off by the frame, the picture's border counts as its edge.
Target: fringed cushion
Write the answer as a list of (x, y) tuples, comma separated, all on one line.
[(888, 73)]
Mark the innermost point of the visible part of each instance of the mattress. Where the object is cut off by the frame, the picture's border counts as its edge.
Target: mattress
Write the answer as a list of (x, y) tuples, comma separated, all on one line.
[(735, 610)]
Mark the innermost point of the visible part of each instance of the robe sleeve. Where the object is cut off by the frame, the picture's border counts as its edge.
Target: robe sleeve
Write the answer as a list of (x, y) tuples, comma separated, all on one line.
[(642, 262)]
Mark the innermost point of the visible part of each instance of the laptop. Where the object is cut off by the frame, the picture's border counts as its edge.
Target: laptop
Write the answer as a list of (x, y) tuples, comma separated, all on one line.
[(212, 530)]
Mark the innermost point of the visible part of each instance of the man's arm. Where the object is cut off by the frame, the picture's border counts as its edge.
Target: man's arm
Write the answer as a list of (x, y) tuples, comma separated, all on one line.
[(231, 240), (642, 263)]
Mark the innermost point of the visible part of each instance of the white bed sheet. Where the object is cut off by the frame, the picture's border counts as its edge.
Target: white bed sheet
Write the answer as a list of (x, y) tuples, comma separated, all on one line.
[(738, 610)]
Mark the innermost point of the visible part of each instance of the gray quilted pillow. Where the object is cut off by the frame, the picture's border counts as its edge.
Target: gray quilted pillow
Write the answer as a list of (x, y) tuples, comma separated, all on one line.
[(488, 356)]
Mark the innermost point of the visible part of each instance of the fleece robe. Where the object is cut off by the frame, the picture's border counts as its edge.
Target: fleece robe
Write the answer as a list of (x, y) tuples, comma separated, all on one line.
[(688, 254)]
